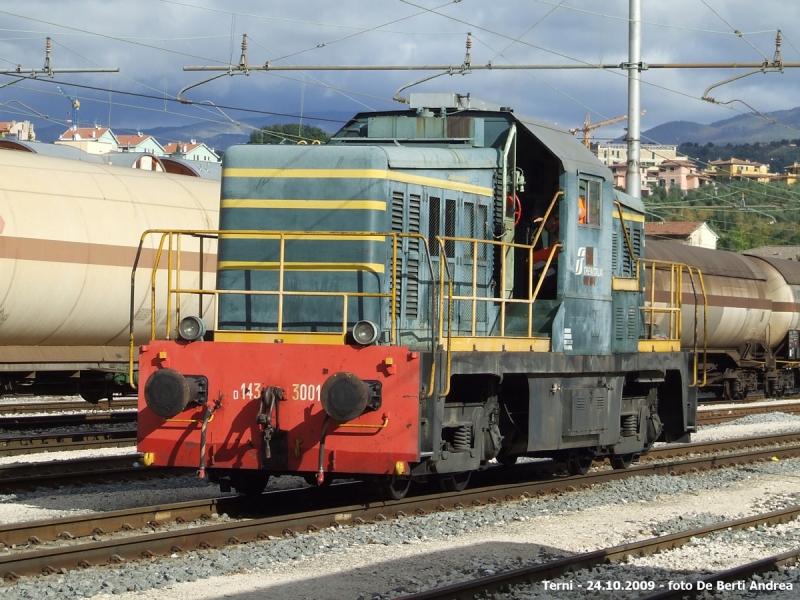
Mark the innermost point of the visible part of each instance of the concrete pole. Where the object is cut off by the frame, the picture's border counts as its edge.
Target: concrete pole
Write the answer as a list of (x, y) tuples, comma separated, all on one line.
[(633, 180)]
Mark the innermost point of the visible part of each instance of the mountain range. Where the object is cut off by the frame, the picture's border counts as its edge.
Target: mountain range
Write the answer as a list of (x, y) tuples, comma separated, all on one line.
[(741, 129)]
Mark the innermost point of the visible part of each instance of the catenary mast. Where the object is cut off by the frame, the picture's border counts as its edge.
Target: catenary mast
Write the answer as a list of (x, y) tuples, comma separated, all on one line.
[(633, 180)]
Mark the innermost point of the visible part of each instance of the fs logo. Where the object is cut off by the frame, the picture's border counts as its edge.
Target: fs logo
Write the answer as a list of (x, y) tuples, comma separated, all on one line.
[(581, 262), (585, 265)]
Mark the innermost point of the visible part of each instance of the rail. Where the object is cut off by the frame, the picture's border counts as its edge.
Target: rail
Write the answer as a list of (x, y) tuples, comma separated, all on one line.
[(171, 242)]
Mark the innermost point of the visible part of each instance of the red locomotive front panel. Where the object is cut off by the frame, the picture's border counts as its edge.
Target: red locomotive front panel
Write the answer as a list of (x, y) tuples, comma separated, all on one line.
[(261, 406)]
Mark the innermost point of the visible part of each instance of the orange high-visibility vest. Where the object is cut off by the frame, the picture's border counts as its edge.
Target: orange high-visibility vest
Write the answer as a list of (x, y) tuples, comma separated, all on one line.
[(581, 210)]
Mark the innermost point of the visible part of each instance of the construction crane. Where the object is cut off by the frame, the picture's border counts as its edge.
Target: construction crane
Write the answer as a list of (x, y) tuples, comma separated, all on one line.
[(76, 104), (588, 126)]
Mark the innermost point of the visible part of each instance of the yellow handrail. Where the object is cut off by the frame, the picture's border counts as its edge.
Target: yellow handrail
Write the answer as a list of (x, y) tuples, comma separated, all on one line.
[(172, 239), (674, 308), (550, 207), (446, 276)]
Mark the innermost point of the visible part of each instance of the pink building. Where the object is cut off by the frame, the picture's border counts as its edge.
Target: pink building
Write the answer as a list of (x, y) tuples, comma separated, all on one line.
[(680, 173)]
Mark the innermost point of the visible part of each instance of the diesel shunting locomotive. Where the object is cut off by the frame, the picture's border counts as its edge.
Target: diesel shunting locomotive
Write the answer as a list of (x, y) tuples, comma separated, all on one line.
[(435, 288)]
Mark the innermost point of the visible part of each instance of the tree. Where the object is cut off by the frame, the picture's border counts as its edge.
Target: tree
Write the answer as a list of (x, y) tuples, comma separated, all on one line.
[(289, 133)]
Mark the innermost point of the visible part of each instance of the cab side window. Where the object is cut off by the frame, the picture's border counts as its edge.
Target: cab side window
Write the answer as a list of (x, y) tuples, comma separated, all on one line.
[(589, 203)]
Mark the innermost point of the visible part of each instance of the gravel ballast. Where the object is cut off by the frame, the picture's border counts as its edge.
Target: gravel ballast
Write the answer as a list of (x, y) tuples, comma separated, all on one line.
[(390, 559)]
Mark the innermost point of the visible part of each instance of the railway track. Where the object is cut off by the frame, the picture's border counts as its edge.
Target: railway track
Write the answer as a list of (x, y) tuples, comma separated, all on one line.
[(65, 406), (80, 471), (708, 415), (29, 423), (486, 586), (283, 519), (740, 573), (63, 441), (99, 470)]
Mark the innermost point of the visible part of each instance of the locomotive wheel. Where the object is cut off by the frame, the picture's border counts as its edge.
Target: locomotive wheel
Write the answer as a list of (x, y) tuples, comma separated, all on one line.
[(507, 460), (621, 461), (455, 482), (579, 465), (395, 488), (249, 483)]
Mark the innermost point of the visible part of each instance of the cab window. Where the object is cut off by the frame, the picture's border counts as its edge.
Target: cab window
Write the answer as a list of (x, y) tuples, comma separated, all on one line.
[(589, 203)]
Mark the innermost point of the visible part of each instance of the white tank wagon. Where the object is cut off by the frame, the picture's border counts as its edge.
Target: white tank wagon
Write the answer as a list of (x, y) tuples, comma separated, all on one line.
[(69, 232), (752, 333)]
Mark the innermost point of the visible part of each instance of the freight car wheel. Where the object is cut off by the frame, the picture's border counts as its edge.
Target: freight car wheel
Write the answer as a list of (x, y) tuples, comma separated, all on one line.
[(249, 484), (621, 461), (395, 488), (455, 482), (579, 465), (93, 396)]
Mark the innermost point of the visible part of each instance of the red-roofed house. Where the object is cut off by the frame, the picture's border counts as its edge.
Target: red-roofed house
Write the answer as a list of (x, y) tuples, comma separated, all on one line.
[(688, 233), (94, 140), (140, 143), (191, 151)]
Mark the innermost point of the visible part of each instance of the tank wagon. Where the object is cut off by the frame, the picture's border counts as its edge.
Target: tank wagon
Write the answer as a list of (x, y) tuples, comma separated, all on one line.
[(749, 315), (69, 232), (433, 289)]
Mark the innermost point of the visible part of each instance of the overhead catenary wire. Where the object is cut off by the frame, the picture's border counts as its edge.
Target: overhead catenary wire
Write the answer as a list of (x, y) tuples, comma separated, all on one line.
[(736, 31), (553, 4), (160, 98)]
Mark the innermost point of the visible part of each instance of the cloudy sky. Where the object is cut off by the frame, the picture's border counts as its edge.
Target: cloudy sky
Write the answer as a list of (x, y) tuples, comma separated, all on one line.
[(152, 40)]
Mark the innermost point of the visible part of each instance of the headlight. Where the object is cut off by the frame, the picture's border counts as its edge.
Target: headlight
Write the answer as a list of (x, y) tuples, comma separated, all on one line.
[(365, 333), (191, 328)]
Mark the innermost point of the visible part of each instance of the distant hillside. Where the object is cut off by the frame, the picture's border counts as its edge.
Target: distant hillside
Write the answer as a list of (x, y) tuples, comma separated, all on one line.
[(777, 154), (737, 130), (221, 135)]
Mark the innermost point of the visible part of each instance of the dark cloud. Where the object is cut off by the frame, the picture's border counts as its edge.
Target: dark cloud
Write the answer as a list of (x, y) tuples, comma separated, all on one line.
[(152, 40)]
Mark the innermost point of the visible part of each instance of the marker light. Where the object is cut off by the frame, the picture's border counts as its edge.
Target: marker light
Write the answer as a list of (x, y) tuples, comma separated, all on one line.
[(191, 328), (365, 333)]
